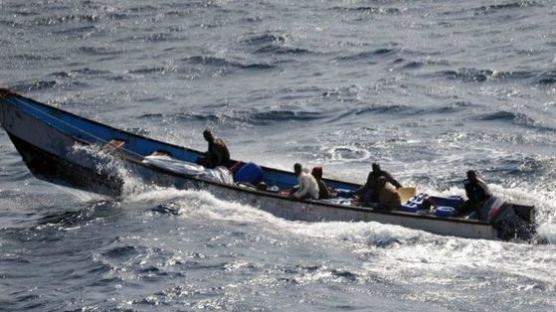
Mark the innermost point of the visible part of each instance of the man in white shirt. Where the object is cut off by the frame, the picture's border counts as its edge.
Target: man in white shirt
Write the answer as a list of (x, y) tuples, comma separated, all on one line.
[(308, 186)]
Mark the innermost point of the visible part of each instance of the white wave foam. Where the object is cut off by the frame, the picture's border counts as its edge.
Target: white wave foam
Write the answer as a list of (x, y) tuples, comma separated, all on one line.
[(154, 195), (391, 252), (344, 153), (82, 196), (365, 233), (547, 233), (203, 203), (106, 162)]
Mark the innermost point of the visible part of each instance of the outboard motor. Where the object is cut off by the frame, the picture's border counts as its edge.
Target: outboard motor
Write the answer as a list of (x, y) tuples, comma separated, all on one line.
[(509, 220), (490, 208)]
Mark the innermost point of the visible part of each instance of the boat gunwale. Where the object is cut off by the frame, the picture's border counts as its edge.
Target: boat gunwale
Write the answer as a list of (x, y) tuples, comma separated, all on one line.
[(13, 93), (235, 187)]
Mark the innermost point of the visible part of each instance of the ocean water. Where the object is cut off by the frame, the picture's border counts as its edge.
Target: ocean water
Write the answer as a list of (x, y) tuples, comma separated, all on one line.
[(430, 89)]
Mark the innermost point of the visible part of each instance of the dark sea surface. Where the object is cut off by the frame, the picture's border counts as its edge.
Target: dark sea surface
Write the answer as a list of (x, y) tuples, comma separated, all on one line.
[(430, 89)]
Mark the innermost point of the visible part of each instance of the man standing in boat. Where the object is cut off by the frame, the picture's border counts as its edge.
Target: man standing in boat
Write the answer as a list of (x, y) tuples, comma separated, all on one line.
[(217, 153)]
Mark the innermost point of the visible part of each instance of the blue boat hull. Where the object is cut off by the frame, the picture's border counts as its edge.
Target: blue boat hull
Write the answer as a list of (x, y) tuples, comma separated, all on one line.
[(54, 169), (68, 150)]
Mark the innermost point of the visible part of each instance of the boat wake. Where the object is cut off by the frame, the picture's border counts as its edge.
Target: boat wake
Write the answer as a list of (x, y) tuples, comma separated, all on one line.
[(202, 204), (387, 252)]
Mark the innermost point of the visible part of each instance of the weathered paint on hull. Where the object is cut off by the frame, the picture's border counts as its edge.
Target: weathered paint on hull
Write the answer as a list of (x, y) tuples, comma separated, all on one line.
[(54, 169), (312, 211), (50, 155)]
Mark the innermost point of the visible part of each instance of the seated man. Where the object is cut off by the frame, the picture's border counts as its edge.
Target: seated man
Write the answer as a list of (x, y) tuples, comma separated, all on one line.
[(217, 153), (324, 191), (477, 192), (308, 186), (368, 192)]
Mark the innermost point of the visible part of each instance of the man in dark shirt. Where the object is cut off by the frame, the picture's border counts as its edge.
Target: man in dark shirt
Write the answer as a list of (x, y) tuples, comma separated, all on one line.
[(477, 193), (369, 191), (324, 191), (217, 153)]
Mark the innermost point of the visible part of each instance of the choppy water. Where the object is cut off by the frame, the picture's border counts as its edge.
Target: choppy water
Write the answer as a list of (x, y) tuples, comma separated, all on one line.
[(429, 89)]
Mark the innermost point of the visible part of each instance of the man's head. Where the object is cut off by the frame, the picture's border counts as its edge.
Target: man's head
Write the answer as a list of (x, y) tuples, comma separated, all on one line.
[(208, 135), (297, 168), (472, 175), (317, 173), (376, 167)]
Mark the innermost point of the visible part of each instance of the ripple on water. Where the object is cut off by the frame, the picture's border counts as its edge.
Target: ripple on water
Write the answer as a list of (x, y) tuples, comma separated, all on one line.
[(223, 62)]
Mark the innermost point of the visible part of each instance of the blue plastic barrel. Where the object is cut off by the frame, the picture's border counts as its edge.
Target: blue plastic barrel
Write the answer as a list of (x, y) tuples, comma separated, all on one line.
[(249, 173)]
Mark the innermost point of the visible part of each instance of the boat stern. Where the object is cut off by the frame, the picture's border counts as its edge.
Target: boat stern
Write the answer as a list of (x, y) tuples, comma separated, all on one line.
[(515, 221)]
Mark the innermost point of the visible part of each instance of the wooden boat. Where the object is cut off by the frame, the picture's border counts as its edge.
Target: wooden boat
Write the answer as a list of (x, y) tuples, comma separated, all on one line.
[(51, 142)]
